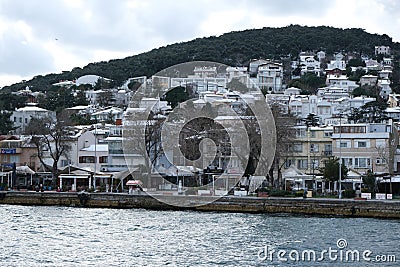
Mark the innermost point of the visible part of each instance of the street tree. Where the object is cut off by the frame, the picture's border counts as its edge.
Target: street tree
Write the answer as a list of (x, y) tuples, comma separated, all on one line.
[(330, 171), (369, 181), (51, 140), (285, 137)]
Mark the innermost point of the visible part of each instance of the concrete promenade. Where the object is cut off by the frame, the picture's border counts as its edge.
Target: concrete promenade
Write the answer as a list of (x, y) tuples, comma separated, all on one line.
[(309, 206)]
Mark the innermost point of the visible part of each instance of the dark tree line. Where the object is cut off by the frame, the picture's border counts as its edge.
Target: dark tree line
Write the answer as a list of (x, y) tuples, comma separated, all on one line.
[(234, 49)]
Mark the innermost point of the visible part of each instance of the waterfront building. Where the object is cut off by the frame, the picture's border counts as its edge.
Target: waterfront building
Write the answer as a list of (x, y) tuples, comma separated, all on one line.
[(366, 146), (310, 148)]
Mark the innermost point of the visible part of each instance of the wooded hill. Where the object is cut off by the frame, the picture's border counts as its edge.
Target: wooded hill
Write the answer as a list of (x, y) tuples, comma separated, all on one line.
[(234, 49)]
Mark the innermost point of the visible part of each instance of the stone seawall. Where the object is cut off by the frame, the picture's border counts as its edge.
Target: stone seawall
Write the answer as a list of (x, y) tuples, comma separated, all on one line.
[(311, 206)]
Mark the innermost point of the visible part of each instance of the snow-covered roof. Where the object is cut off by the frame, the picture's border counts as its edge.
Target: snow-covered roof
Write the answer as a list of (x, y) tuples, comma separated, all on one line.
[(97, 147), (89, 79), (79, 107), (31, 109)]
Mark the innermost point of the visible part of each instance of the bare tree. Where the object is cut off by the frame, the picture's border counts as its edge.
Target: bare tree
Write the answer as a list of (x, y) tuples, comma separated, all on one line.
[(51, 140), (285, 136)]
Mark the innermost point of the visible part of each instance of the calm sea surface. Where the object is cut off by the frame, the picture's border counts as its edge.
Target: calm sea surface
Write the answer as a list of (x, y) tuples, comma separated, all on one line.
[(66, 236)]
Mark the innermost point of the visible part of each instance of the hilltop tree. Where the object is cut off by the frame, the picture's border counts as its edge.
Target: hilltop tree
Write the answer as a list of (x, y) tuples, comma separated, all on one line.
[(176, 95), (311, 120), (11, 102), (371, 112), (309, 83), (233, 49), (6, 125), (57, 99)]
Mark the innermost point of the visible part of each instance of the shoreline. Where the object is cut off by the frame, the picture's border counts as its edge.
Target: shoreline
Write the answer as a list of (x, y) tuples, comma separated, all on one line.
[(386, 209)]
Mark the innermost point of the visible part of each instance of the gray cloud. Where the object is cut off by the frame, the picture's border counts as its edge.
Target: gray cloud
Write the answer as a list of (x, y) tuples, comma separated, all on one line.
[(17, 56), (119, 26)]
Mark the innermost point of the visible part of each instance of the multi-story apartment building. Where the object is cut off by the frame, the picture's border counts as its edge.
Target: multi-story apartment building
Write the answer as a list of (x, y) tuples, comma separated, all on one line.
[(18, 151), (366, 146), (310, 148)]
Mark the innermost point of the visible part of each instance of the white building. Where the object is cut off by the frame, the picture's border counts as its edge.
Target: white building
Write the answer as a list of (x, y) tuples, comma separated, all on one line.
[(370, 80), (110, 114), (22, 116), (382, 49), (341, 81), (253, 66), (384, 86), (270, 76), (366, 146), (337, 63), (331, 93), (371, 65), (235, 72), (309, 65)]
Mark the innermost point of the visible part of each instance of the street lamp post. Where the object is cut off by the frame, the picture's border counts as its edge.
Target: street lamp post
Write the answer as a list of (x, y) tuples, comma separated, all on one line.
[(340, 157)]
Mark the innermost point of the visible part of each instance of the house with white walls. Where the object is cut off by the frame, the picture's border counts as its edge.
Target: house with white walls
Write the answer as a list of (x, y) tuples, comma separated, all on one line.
[(270, 76), (22, 116)]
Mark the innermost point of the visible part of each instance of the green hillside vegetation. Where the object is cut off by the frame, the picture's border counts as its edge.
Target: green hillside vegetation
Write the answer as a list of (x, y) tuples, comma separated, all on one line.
[(234, 49)]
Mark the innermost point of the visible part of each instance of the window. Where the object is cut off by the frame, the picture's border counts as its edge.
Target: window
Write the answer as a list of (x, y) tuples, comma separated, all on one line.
[(328, 134), (314, 164), (380, 161), (361, 144), (26, 120), (103, 159), (328, 150), (343, 144), (297, 148), (302, 164), (288, 163), (300, 132), (64, 162), (20, 119), (14, 158), (87, 159), (15, 119), (348, 162), (314, 148), (362, 162)]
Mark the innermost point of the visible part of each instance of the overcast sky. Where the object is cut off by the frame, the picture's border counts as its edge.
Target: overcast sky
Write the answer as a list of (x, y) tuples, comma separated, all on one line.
[(49, 36)]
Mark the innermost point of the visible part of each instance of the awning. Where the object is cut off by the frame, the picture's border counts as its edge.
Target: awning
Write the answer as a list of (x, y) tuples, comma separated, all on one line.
[(134, 182), (24, 170)]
